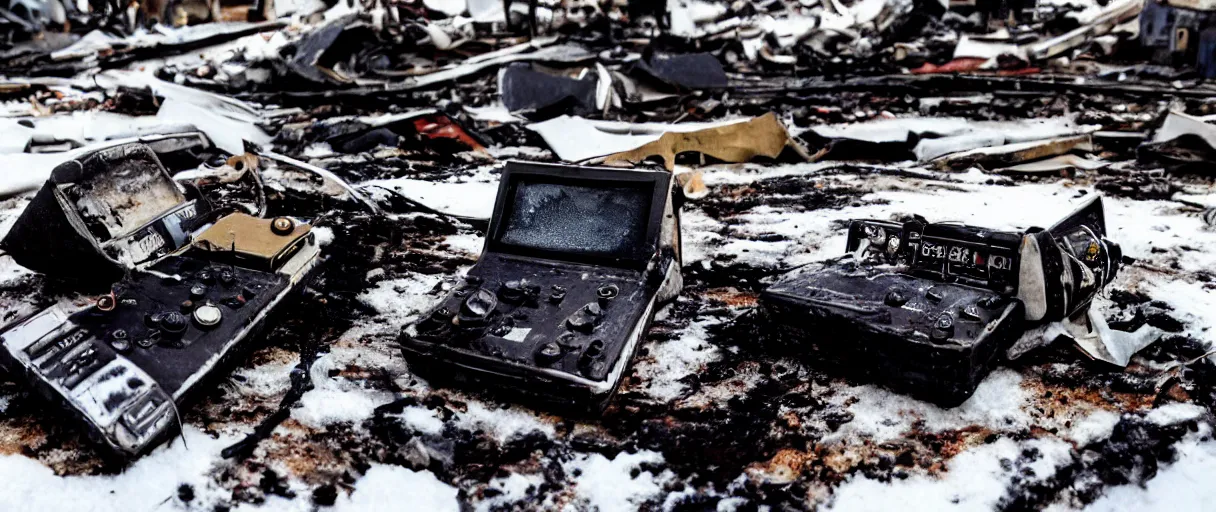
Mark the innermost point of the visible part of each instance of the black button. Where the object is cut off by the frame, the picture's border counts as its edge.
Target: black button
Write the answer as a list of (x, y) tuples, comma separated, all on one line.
[(548, 353), (148, 341), (896, 298), (935, 294), (512, 291), (608, 291), (198, 290), (558, 294), (585, 318), (173, 322), (479, 304), (594, 349), (568, 340), (943, 328), (106, 303)]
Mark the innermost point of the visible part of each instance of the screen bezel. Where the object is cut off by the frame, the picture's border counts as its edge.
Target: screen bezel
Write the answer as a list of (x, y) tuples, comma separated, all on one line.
[(657, 181)]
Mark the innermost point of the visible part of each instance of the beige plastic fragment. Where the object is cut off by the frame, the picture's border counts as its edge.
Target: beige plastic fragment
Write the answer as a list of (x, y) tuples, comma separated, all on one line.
[(738, 142)]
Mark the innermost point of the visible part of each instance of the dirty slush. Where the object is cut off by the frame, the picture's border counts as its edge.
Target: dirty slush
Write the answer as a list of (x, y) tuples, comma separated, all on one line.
[(607, 255)]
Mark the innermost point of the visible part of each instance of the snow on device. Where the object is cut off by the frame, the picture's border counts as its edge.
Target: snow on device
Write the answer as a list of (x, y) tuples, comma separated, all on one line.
[(183, 305), (926, 307), (575, 263)]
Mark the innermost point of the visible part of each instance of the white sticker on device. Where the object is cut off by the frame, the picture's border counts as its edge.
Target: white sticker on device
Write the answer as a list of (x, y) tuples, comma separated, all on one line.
[(518, 334)]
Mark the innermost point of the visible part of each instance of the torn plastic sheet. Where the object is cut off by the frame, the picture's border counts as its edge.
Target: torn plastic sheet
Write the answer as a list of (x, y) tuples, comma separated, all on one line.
[(526, 89), (575, 139), (1054, 164), (227, 134), (310, 47), (538, 50), (487, 11), (1182, 143), (324, 173), (929, 138), (78, 129), (98, 46), (686, 15), (762, 136), (226, 121), (688, 71), (1091, 334), (35, 168), (472, 200), (493, 113), (448, 7), (1111, 17), (216, 103), (970, 47), (1011, 154), (1177, 124)]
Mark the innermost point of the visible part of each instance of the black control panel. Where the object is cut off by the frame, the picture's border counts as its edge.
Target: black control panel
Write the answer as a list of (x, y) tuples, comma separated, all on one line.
[(170, 321), (935, 340), (945, 252), (550, 317)]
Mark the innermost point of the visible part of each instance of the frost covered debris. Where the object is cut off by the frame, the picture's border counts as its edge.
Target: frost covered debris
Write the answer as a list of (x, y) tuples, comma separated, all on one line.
[(328, 414)]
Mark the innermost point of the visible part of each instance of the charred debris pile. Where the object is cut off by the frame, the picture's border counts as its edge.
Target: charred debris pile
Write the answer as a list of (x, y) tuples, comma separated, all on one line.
[(712, 231)]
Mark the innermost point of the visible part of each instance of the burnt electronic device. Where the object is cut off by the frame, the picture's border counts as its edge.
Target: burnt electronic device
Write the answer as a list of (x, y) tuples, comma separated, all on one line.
[(104, 213), (575, 263), (925, 307), (182, 307)]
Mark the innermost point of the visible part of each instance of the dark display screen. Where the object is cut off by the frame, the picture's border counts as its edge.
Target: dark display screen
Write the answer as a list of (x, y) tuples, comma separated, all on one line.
[(601, 222)]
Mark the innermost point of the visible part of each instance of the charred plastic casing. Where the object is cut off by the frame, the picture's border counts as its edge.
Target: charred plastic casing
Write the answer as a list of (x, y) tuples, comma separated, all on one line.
[(103, 214), (925, 307), (124, 364), (931, 340), (1055, 272), (576, 262)]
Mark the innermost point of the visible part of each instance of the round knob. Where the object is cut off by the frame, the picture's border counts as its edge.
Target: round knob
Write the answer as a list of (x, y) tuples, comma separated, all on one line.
[(943, 328), (479, 304), (512, 290), (173, 322), (106, 303), (118, 340), (198, 290), (558, 294), (548, 352), (282, 226), (208, 315), (608, 291)]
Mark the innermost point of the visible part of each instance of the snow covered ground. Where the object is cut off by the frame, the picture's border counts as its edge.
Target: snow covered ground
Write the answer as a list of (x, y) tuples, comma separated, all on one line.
[(705, 421)]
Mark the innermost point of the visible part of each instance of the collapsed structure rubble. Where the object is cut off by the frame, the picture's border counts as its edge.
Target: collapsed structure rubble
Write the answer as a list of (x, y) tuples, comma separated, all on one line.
[(775, 123)]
